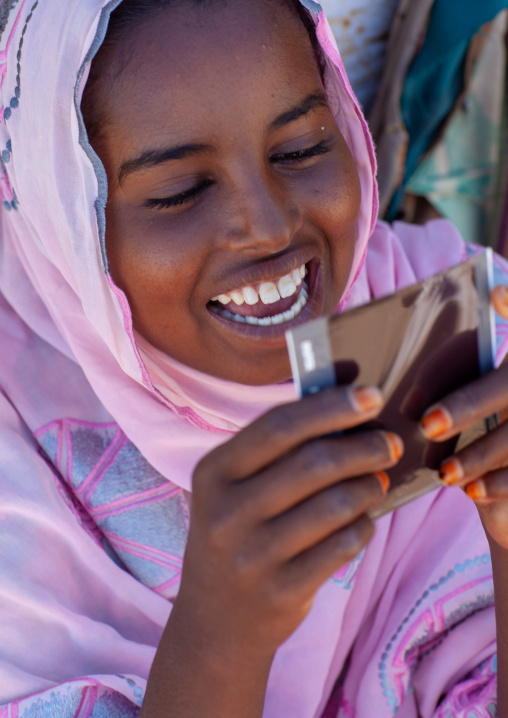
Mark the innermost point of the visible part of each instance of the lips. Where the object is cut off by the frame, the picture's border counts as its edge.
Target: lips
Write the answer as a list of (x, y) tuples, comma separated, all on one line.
[(267, 303), (262, 300)]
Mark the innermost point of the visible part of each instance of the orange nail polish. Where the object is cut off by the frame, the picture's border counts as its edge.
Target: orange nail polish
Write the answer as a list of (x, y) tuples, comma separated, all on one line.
[(451, 472), (435, 423), (366, 398), (477, 490), (396, 445), (503, 294), (384, 480)]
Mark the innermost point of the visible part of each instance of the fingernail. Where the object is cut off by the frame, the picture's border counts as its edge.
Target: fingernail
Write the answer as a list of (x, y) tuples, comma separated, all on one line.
[(384, 480), (366, 398), (435, 423), (396, 445), (477, 490), (451, 472), (502, 293)]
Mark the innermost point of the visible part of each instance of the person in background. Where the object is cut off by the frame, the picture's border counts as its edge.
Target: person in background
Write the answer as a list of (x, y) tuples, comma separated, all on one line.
[(431, 76)]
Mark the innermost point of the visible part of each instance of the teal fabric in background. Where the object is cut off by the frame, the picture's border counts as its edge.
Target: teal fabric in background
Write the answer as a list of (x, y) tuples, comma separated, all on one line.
[(436, 76)]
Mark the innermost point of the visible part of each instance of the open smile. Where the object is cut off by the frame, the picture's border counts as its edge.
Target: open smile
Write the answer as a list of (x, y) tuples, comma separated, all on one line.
[(265, 304), (270, 307)]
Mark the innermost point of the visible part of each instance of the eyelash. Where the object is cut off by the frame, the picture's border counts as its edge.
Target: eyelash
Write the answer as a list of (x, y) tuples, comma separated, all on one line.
[(302, 155), (178, 199), (298, 157)]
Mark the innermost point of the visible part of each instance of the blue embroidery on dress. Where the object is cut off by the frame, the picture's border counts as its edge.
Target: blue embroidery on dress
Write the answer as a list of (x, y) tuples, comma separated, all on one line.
[(422, 631), (346, 576), (67, 701), (142, 516)]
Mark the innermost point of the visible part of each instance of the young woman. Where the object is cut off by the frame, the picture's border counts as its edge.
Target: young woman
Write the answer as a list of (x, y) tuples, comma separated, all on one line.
[(184, 181)]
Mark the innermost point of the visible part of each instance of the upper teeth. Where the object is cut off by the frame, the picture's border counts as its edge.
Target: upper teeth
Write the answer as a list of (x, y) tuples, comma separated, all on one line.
[(286, 316), (268, 292)]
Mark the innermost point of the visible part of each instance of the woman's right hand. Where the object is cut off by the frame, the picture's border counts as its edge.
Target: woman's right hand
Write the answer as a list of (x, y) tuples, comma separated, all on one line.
[(278, 509)]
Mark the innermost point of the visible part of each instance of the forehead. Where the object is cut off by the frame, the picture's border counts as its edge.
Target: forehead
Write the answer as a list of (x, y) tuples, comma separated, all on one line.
[(206, 60)]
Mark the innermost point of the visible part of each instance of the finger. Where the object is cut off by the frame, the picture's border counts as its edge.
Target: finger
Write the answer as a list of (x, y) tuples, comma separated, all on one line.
[(323, 515), (314, 467), (492, 487), (499, 298), (284, 428), (317, 564), (471, 403), (488, 453)]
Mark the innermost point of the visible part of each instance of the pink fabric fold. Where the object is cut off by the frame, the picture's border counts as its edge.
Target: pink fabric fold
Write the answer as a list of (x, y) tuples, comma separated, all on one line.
[(100, 433)]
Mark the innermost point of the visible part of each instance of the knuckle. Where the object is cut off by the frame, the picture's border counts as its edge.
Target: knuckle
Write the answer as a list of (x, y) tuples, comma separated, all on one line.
[(465, 403), (279, 423), (341, 501), (317, 456), (355, 537), (202, 476), (478, 457), (375, 449), (222, 528)]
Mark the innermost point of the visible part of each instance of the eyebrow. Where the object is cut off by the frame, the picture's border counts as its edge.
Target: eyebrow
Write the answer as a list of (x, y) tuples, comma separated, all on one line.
[(152, 158), (311, 102)]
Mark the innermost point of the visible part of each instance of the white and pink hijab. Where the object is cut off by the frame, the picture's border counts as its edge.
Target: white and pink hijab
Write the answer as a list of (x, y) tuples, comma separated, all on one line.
[(99, 436)]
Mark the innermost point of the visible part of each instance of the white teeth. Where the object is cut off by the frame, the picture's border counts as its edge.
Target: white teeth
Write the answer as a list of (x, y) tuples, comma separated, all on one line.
[(286, 286), (268, 293), (250, 295), (238, 298), (236, 317), (275, 320)]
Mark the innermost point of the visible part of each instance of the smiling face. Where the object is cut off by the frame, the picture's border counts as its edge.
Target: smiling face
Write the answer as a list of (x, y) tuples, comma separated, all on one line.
[(233, 198)]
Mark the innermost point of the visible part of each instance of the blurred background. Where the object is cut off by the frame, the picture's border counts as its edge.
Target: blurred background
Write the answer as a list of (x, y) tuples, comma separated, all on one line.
[(431, 76)]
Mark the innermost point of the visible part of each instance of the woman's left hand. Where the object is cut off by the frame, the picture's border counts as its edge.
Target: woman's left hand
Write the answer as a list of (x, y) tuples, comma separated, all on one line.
[(482, 467)]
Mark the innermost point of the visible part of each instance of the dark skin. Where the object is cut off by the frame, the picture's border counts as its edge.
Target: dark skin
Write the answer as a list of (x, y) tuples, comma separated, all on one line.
[(265, 184), (278, 508)]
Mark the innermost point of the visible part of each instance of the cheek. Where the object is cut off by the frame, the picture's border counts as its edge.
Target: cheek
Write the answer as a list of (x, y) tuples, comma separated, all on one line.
[(337, 200), (154, 267)]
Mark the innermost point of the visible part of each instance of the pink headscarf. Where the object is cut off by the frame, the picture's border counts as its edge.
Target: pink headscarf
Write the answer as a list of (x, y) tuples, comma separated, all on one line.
[(53, 258), (69, 350)]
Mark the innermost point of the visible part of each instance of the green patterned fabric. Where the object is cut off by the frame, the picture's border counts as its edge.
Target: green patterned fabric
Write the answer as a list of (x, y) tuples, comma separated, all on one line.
[(460, 176), (435, 81)]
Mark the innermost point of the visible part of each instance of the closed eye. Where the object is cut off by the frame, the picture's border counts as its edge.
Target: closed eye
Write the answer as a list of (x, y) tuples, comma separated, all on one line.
[(180, 199), (300, 156)]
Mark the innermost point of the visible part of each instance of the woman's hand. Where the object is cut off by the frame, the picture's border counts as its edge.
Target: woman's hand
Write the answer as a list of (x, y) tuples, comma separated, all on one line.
[(276, 510), (482, 467)]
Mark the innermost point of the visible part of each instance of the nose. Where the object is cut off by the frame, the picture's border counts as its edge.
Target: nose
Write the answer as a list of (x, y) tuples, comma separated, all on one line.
[(262, 217)]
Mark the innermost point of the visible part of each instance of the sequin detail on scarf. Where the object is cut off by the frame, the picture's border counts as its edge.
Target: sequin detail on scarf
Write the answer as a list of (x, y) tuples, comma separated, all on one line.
[(7, 193), (143, 518)]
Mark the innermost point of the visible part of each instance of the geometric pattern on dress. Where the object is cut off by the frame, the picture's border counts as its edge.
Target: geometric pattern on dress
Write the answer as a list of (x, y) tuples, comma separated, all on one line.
[(138, 516), (440, 608), (475, 697), (82, 698), (345, 577)]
